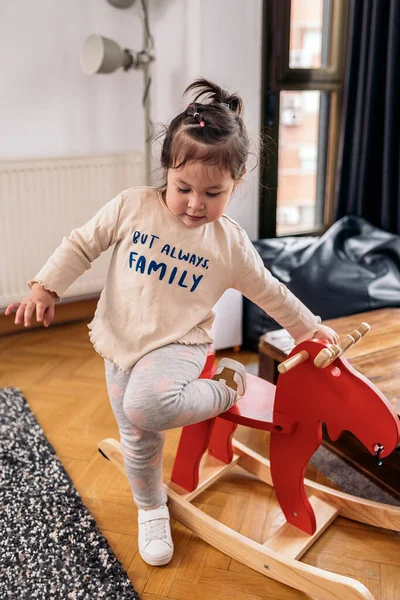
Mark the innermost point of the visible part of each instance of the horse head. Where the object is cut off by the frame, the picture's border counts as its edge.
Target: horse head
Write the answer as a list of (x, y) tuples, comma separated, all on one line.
[(337, 395)]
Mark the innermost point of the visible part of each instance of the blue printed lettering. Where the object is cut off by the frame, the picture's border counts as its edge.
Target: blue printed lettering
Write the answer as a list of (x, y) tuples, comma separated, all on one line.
[(153, 237), (153, 266), (173, 275), (182, 279), (196, 281), (132, 258), (182, 256), (141, 264)]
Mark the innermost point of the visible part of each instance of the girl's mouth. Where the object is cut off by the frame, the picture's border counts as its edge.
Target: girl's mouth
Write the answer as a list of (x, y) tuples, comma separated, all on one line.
[(193, 218)]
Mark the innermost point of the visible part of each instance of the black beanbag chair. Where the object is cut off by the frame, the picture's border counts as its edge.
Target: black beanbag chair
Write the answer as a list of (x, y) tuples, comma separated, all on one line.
[(354, 267)]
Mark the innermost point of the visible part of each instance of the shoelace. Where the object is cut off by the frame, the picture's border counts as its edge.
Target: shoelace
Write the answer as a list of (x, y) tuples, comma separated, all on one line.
[(155, 530)]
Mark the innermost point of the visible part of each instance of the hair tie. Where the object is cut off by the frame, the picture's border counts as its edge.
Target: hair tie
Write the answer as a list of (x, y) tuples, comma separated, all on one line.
[(192, 112)]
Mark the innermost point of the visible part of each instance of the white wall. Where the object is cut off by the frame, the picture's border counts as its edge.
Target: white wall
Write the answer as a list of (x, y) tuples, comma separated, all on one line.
[(233, 59), (48, 107), (220, 40)]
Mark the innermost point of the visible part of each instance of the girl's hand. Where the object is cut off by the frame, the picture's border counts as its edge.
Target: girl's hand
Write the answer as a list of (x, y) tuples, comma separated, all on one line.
[(39, 300), (326, 333)]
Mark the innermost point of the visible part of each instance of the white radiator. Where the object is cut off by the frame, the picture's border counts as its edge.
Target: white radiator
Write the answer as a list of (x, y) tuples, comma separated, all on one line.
[(42, 200)]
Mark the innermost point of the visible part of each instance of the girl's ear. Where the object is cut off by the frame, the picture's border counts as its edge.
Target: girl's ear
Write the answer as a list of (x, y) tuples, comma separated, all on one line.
[(240, 179)]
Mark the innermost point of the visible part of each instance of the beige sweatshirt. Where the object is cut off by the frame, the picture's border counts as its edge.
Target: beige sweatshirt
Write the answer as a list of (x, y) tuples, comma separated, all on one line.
[(164, 278)]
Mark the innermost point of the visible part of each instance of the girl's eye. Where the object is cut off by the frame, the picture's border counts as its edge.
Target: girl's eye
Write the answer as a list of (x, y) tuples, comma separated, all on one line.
[(213, 195), (182, 191)]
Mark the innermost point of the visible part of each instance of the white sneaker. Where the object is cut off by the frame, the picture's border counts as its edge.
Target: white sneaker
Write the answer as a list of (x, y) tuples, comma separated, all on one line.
[(233, 374), (155, 542)]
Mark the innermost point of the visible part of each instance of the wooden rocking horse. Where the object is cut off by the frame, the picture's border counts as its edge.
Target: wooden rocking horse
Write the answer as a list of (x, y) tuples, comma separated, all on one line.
[(322, 388)]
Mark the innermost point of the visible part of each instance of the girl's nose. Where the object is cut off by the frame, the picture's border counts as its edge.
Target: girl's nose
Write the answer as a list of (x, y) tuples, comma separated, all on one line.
[(196, 202)]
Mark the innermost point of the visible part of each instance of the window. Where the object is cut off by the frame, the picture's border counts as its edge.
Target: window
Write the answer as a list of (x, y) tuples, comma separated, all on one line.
[(304, 47), (298, 160), (306, 28)]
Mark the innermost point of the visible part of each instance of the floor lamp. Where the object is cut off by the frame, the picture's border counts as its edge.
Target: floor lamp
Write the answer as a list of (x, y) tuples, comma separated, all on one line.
[(103, 55)]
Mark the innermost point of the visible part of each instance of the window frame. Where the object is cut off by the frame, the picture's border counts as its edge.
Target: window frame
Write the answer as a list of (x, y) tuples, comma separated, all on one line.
[(277, 76)]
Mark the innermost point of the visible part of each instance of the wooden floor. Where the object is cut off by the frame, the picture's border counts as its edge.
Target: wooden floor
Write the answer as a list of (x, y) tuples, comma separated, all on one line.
[(62, 378)]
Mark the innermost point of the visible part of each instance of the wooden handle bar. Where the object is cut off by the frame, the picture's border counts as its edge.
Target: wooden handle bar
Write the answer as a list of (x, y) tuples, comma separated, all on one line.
[(328, 355), (293, 361)]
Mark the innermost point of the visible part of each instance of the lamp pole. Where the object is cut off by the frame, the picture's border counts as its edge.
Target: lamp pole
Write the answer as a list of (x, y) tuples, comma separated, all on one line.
[(144, 59), (146, 107)]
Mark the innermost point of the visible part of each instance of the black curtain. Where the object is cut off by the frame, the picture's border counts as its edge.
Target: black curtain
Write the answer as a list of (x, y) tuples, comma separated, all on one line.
[(368, 183)]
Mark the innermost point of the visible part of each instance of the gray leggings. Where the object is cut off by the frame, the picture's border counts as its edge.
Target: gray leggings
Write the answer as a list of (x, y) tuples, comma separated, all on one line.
[(161, 392)]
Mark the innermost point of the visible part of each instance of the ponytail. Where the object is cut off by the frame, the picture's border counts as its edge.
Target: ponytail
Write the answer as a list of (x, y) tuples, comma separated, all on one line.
[(216, 95), (210, 130)]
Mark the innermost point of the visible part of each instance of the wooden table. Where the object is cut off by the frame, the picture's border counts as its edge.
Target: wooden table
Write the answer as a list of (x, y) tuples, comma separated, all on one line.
[(377, 356)]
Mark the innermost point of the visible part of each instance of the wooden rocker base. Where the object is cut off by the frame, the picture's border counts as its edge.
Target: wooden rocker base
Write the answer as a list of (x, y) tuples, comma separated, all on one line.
[(278, 556)]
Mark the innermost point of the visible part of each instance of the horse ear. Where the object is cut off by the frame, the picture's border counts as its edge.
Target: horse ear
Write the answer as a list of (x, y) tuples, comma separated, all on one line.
[(326, 356)]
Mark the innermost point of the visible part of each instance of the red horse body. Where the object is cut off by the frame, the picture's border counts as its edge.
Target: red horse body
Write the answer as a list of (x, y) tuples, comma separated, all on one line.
[(340, 397), (304, 398)]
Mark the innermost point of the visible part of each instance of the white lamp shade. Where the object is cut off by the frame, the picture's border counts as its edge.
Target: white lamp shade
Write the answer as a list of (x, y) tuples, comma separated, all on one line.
[(101, 55)]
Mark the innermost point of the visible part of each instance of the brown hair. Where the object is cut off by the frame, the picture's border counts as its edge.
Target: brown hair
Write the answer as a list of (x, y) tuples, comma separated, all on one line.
[(211, 131)]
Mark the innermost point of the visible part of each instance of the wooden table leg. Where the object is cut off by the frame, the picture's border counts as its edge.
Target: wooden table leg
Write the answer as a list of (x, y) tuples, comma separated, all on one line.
[(268, 368)]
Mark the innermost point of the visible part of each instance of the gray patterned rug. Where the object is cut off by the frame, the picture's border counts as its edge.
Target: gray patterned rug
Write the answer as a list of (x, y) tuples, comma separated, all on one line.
[(350, 480), (50, 546)]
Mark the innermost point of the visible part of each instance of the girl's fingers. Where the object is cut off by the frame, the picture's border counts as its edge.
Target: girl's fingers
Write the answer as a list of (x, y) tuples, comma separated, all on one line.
[(39, 312), (19, 315), (49, 315), (25, 309), (29, 310), (11, 308)]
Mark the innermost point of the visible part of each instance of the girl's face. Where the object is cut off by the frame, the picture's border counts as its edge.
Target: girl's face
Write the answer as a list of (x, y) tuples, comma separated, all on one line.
[(198, 193)]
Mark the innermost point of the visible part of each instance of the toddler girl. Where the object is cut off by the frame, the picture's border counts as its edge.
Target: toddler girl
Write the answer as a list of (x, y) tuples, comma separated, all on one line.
[(175, 254)]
